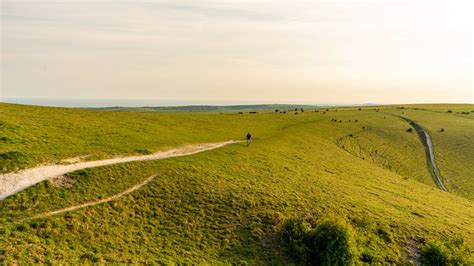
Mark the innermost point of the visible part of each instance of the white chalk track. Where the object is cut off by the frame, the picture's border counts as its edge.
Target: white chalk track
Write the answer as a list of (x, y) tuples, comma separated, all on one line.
[(11, 183)]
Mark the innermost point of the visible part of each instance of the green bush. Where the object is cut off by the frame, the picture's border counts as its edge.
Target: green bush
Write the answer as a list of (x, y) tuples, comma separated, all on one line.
[(444, 253), (332, 243), (294, 236), (434, 253)]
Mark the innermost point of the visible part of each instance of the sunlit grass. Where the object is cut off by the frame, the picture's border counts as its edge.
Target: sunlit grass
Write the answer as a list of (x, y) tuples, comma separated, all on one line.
[(228, 205)]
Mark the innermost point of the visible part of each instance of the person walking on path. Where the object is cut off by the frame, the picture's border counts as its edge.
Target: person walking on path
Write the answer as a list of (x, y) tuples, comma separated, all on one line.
[(249, 139)]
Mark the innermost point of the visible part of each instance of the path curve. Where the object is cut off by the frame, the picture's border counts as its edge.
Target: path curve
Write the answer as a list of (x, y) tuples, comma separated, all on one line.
[(429, 151), (11, 183), (92, 203)]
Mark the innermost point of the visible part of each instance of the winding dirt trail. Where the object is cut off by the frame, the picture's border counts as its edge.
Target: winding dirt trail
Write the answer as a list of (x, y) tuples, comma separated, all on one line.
[(92, 203), (429, 151), (15, 182)]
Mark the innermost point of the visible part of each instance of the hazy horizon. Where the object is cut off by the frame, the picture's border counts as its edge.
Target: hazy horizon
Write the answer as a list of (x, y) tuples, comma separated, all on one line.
[(154, 103), (99, 103), (278, 51)]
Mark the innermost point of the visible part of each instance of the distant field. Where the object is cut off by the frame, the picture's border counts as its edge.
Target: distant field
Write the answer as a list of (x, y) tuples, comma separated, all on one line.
[(212, 108), (453, 139), (227, 205), (32, 135), (460, 110)]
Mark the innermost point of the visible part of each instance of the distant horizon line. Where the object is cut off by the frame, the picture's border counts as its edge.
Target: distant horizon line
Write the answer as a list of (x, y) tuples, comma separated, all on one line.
[(101, 103)]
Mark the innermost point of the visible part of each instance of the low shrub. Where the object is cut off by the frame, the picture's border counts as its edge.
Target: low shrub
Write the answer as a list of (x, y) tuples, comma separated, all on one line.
[(434, 253), (294, 235), (332, 243), (444, 253)]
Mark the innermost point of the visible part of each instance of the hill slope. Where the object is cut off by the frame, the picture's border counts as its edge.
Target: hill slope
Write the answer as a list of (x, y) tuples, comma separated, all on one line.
[(225, 205), (214, 108)]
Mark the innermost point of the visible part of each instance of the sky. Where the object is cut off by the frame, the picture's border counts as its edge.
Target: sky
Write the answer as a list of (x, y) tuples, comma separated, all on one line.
[(223, 52)]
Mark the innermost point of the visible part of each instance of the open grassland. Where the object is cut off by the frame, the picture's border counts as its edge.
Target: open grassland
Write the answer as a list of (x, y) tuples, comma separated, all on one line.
[(459, 110), (453, 140), (211, 108), (30, 135), (383, 140), (228, 205)]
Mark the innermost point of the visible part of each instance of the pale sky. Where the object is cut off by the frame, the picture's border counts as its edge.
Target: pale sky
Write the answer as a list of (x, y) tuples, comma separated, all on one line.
[(277, 51)]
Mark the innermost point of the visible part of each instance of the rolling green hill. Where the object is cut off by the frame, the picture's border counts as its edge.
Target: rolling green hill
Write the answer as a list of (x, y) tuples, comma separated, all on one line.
[(453, 139), (213, 108), (228, 205)]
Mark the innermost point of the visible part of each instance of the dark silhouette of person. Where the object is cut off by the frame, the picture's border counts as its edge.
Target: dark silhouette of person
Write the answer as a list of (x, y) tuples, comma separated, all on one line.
[(249, 139)]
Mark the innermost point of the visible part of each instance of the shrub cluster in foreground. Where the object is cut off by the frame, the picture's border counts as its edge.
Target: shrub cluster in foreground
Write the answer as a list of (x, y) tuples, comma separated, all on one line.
[(333, 242), (330, 243), (444, 253)]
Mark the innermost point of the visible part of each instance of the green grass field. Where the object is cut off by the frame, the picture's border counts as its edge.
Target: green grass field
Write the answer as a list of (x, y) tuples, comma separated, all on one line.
[(228, 205), (454, 147)]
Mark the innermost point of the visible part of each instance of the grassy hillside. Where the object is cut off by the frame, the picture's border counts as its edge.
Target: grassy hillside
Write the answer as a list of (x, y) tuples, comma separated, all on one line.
[(383, 140), (214, 108), (459, 110), (453, 140), (30, 135), (228, 205)]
